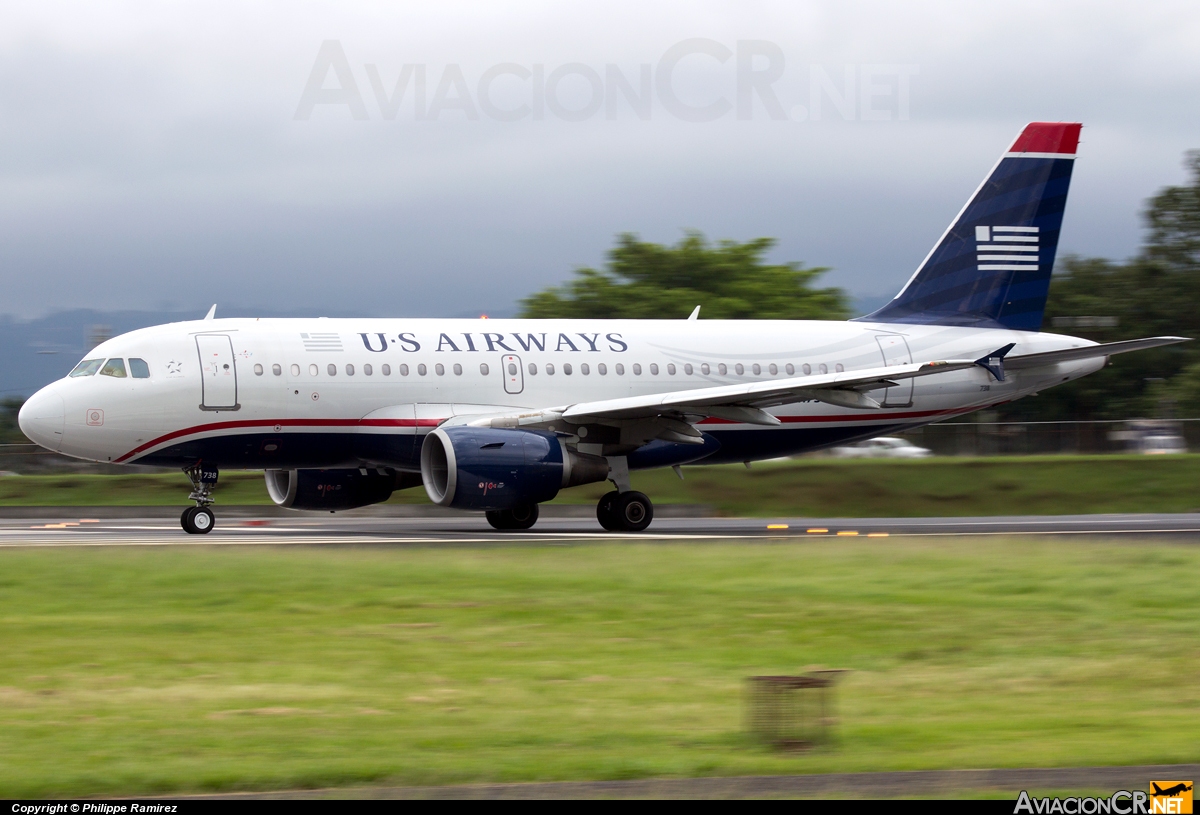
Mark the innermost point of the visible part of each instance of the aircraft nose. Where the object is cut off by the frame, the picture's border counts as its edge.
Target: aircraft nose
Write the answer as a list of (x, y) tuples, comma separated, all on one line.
[(42, 418)]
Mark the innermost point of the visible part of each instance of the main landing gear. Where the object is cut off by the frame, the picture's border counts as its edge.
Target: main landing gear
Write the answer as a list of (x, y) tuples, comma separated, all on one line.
[(625, 511), (199, 520), (518, 518)]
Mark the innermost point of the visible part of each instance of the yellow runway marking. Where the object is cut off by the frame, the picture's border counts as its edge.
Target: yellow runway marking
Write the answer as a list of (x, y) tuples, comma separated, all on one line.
[(877, 534), (847, 533), (816, 531), (777, 526)]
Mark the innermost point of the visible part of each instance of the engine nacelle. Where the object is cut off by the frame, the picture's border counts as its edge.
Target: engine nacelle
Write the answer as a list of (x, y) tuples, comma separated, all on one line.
[(498, 468), (333, 490)]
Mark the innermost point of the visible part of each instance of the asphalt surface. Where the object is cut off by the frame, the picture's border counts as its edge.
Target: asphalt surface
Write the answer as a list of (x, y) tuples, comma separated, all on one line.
[(71, 527)]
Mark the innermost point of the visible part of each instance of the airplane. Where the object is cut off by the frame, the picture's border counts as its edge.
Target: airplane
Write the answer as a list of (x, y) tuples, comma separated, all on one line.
[(1170, 792), (498, 416)]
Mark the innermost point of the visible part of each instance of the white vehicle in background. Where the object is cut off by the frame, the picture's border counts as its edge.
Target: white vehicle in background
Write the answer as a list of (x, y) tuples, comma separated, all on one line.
[(882, 447), (1165, 444)]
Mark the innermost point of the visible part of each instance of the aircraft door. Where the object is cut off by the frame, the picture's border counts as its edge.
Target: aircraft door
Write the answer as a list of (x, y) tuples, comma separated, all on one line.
[(514, 377), (895, 352), (218, 372)]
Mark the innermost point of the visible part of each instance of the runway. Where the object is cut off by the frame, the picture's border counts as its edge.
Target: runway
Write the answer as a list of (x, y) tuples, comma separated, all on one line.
[(68, 527)]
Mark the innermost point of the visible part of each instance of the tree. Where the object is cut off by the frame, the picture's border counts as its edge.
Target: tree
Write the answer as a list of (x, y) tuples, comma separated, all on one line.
[(10, 433), (729, 280)]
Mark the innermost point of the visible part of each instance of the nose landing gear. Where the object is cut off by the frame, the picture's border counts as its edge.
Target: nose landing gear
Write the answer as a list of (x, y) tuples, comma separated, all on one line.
[(199, 520)]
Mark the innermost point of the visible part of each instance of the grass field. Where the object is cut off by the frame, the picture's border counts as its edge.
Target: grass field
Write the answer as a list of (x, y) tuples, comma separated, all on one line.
[(135, 671), (808, 487)]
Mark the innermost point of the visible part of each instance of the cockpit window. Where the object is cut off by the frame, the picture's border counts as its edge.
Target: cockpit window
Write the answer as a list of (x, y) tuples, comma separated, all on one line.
[(139, 368), (87, 367), (114, 367)]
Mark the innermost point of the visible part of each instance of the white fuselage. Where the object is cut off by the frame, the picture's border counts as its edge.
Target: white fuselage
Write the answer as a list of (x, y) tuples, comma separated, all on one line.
[(262, 394)]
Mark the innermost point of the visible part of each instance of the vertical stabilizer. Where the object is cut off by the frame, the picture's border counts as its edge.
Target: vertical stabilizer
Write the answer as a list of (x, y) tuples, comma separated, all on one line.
[(992, 266)]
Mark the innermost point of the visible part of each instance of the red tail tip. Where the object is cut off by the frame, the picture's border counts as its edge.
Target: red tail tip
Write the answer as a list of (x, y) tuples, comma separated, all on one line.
[(1048, 137)]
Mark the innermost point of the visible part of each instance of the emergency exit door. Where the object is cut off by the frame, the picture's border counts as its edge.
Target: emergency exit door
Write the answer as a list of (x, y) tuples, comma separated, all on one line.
[(218, 372), (514, 377), (895, 352)]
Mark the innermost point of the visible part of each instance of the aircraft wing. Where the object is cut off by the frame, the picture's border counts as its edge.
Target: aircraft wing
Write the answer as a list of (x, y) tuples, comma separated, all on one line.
[(846, 389), (1087, 352)]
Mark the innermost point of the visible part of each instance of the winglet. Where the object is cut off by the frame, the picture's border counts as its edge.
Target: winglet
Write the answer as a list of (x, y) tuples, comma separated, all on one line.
[(695, 313), (993, 363), (212, 312)]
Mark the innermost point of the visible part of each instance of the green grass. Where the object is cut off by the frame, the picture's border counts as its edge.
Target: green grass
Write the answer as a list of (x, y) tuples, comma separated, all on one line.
[(136, 671), (1051, 485)]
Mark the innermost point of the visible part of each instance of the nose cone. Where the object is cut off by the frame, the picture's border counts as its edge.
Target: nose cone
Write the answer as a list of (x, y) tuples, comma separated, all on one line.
[(42, 418)]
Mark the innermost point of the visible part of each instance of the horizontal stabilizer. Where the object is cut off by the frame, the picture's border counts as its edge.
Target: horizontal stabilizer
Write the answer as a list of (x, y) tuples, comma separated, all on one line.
[(1089, 352)]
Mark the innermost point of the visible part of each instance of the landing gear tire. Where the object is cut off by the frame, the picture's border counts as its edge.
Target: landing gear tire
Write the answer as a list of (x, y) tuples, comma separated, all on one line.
[(605, 511), (197, 520), (518, 518), (625, 511)]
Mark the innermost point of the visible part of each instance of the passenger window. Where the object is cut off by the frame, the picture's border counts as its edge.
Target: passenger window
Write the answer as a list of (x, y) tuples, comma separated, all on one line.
[(637, 369), (654, 368), (687, 368), (258, 368), (385, 370), (704, 369), (807, 369), (87, 367), (332, 369), (458, 369), (584, 369), (774, 369), (295, 370), (367, 369), (138, 368), (757, 369), (567, 368), (422, 370), (722, 368), (114, 367), (739, 368), (403, 369), (312, 369), (839, 367), (823, 368), (671, 368), (620, 369), (532, 369), (483, 368), (349, 370), (277, 369), (601, 369), (791, 369), (440, 369), (550, 369)]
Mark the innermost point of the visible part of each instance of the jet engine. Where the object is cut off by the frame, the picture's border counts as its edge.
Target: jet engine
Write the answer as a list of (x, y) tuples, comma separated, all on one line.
[(499, 469), (334, 490)]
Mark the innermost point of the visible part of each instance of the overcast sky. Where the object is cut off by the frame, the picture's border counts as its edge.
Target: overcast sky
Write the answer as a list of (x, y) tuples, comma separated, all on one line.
[(169, 155)]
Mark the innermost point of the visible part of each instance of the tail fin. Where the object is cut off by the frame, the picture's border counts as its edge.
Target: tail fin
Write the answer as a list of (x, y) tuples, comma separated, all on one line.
[(992, 266)]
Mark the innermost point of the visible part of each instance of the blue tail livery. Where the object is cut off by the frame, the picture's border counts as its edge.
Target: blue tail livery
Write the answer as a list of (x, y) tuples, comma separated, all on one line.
[(992, 266)]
